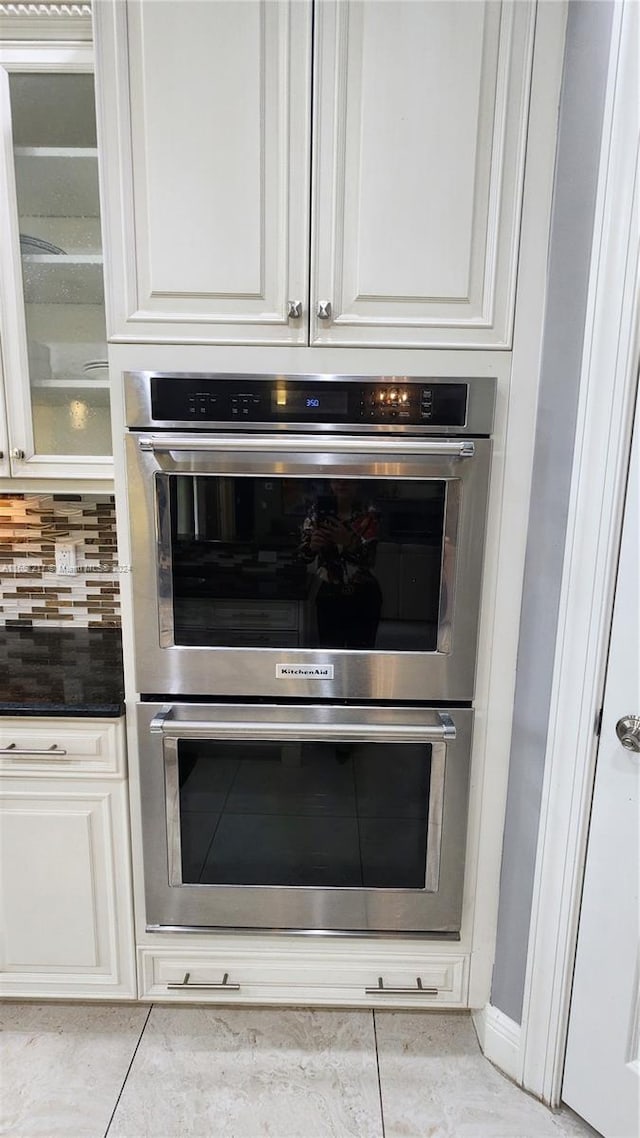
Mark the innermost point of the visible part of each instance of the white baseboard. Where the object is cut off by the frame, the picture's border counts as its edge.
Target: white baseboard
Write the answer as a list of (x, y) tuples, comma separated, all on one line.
[(499, 1039)]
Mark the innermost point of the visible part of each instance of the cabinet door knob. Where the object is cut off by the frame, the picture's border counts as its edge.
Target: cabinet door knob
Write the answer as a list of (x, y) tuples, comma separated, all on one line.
[(295, 309), (324, 310), (17, 453)]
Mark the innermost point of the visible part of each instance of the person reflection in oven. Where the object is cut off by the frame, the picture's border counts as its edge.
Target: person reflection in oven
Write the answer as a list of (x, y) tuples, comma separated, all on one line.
[(340, 535)]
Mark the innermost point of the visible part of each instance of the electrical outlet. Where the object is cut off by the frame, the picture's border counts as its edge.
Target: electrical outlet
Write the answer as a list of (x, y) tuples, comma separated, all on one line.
[(66, 558)]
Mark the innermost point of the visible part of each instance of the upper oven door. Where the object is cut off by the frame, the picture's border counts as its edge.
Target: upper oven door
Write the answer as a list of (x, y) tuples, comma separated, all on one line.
[(306, 566)]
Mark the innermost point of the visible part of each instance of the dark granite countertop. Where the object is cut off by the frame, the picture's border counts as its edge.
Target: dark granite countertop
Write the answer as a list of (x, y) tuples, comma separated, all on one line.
[(61, 671)]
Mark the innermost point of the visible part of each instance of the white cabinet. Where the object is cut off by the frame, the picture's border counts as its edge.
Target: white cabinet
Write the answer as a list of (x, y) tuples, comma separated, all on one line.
[(420, 128), (209, 218), (417, 114), (51, 266), (65, 892)]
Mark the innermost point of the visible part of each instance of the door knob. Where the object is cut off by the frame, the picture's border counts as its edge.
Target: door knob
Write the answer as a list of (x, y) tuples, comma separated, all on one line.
[(294, 310), (628, 732), (324, 310)]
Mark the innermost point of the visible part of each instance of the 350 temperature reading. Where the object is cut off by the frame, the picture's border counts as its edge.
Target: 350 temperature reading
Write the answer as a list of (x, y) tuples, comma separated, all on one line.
[(313, 402)]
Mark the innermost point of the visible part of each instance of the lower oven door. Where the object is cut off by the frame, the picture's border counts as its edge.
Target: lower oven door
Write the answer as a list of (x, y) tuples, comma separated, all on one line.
[(304, 818)]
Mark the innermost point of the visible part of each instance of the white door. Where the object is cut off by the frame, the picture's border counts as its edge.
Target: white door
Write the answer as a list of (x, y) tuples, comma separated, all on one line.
[(205, 112), (420, 122), (602, 1073)]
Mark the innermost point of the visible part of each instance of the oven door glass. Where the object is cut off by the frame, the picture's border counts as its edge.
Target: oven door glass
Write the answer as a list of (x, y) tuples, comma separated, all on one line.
[(281, 562), (318, 814)]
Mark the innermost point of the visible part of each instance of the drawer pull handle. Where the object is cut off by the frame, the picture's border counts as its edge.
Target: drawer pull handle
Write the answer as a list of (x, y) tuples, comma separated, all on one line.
[(54, 751), (417, 991), (224, 986)]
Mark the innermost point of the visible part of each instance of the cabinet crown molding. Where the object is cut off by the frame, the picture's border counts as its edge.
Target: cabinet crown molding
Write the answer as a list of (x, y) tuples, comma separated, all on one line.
[(68, 22), (45, 10)]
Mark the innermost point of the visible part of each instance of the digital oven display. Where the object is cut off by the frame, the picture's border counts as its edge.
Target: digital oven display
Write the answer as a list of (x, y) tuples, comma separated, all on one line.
[(327, 404)]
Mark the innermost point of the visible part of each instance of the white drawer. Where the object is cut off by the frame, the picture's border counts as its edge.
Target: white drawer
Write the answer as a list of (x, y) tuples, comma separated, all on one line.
[(61, 746), (277, 977)]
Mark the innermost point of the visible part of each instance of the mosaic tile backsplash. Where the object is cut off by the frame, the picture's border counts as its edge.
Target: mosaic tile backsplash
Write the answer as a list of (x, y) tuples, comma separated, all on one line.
[(31, 592)]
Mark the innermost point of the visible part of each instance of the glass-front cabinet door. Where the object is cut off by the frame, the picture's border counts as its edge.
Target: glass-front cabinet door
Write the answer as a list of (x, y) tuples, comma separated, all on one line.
[(53, 321)]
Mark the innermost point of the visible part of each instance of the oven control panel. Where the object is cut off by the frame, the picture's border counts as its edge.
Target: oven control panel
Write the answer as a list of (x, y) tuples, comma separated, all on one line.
[(211, 401)]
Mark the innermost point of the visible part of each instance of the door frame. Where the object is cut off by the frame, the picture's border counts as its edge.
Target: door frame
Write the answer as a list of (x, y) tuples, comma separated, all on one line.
[(600, 467)]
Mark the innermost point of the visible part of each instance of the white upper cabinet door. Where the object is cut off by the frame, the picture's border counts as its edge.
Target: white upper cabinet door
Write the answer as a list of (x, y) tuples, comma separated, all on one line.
[(205, 114), (420, 126)]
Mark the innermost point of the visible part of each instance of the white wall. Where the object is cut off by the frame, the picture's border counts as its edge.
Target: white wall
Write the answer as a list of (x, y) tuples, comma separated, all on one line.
[(586, 58)]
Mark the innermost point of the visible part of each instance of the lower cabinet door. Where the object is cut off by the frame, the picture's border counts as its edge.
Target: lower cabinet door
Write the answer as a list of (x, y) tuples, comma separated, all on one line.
[(65, 893)]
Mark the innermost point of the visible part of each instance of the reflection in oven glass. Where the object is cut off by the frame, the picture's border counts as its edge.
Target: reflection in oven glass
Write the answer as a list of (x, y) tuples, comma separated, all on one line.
[(307, 814), (322, 563)]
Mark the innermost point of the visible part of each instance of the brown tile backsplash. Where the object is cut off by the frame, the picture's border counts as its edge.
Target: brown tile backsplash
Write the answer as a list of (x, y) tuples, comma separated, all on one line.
[(30, 589)]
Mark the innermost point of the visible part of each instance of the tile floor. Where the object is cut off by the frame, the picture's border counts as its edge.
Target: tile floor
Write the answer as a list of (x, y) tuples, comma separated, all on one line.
[(79, 1071)]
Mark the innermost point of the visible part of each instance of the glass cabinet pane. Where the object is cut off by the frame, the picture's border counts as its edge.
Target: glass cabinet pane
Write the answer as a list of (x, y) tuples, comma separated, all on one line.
[(56, 170)]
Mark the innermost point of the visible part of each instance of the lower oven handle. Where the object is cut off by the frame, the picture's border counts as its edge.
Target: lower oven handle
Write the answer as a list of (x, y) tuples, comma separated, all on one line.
[(446, 448), (163, 722)]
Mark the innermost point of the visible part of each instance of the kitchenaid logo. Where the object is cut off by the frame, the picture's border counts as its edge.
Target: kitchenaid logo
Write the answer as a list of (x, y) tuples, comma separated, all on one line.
[(304, 671)]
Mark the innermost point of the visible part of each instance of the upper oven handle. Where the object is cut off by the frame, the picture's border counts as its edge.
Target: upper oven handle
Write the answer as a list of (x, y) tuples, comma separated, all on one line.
[(444, 732), (449, 448)]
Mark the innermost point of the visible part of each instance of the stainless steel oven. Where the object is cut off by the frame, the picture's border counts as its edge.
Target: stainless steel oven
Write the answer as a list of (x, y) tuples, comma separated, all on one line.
[(302, 817), (313, 537)]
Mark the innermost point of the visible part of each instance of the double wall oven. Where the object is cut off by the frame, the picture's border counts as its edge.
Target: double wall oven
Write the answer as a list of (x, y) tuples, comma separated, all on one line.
[(306, 557)]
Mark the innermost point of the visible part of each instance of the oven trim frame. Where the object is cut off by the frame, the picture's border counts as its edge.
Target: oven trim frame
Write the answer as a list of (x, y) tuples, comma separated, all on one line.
[(164, 563)]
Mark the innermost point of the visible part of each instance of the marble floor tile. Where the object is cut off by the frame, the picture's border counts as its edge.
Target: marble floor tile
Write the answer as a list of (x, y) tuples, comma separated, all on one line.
[(62, 1067), (252, 1072), (435, 1083)]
